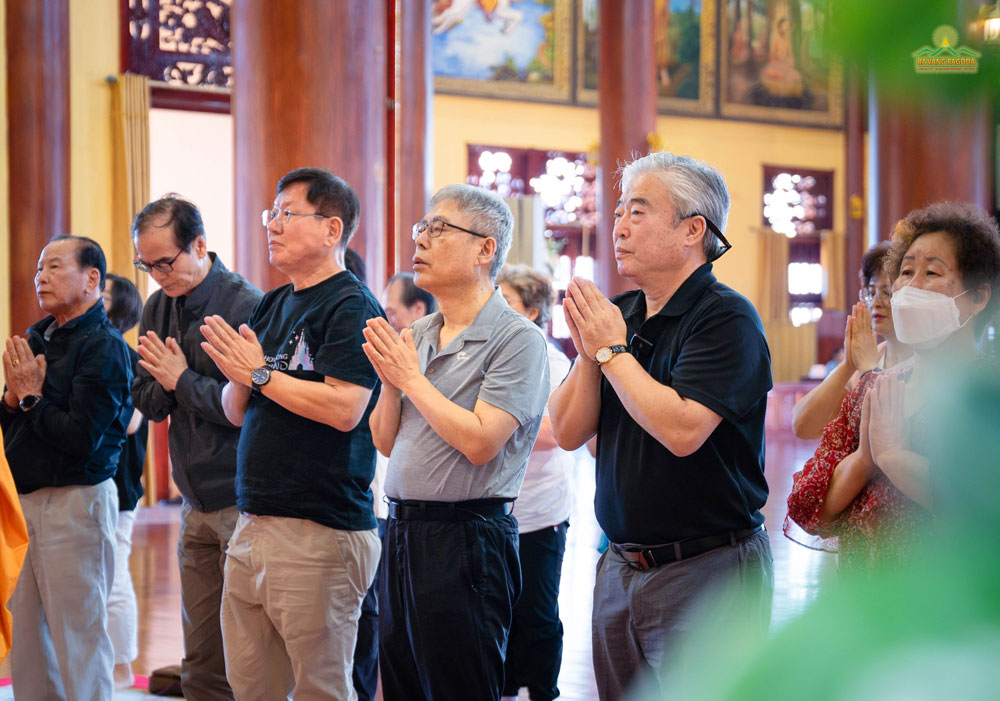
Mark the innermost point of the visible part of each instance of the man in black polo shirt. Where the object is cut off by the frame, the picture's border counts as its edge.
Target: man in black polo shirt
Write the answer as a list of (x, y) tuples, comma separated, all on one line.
[(304, 550), (673, 379)]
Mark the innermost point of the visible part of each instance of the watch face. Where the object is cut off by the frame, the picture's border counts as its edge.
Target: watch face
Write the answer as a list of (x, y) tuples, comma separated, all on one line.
[(603, 354), (260, 376)]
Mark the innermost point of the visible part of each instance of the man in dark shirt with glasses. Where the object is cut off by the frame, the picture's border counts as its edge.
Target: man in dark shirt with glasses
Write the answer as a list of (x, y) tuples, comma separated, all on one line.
[(176, 379)]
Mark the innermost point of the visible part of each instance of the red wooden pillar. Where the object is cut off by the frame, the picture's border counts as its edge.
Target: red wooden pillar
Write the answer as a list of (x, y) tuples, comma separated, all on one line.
[(310, 88), (855, 243), (37, 142), (414, 117), (627, 100), (924, 150)]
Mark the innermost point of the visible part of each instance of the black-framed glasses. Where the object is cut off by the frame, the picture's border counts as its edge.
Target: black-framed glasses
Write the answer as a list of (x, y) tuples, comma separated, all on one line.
[(284, 216), (160, 266), (868, 294), (436, 227), (715, 230)]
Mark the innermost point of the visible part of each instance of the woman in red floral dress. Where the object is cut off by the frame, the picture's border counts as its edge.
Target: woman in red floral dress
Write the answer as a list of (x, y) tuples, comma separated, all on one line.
[(868, 483)]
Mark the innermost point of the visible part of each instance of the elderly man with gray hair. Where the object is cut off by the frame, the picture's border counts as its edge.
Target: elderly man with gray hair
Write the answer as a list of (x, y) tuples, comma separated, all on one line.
[(462, 400), (673, 379)]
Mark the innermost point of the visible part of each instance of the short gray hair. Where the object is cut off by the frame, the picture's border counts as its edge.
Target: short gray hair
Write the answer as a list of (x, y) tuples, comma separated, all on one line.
[(694, 186), (488, 215)]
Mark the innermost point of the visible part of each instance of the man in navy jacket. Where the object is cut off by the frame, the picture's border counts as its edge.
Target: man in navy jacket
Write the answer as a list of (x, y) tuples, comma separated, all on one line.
[(66, 404)]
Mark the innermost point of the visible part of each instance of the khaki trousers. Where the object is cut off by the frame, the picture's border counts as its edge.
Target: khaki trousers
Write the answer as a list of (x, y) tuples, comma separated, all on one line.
[(291, 606)]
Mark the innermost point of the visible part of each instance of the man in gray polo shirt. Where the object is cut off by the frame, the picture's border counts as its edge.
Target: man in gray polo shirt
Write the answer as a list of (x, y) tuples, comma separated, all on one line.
[(461, 404)]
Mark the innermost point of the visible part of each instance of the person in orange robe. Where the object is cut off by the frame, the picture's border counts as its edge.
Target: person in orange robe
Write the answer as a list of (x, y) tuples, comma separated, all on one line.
[(13, 547)]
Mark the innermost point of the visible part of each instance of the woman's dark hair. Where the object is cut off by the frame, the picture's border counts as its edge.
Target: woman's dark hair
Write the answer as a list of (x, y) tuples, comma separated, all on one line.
[(972, 232), (355, 264), (126, 303), (331, 196), (180, 214), (873, 262)]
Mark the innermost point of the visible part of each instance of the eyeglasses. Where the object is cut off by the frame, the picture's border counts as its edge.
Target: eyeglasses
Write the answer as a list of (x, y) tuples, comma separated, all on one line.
[(160, 266), (868, 294), (436, 227), (269, 215), (715, 230)]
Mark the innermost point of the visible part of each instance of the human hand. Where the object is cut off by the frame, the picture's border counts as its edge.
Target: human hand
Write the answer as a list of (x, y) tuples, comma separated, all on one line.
[(394, 356), (598, 322), (23, 371), (886, 424), (164, 361), (860, 344), (236, 355), (574, 333)]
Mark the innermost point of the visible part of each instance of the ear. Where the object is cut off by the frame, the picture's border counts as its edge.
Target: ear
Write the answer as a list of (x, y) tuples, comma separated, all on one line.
[(487, 252), (335, 231), (200, 247), (981, 297), (420, 307), (533, 313), (94, 280), (695, 232)]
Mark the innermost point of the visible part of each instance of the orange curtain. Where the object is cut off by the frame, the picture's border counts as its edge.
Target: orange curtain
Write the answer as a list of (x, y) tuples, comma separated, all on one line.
[(130, 129), (773, 275), (793, 348), (130, 101), (831, 257), (13, 547)]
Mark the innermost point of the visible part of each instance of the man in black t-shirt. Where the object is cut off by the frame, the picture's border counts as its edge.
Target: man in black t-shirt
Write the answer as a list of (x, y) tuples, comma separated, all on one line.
[(304, 550), (673, 379)]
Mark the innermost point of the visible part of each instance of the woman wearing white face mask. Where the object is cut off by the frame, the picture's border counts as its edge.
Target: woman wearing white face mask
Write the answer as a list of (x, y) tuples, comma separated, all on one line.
[(870, 316), (868, 482)]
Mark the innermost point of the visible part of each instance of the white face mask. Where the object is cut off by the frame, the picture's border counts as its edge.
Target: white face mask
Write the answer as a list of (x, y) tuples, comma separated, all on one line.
[(923, 319)]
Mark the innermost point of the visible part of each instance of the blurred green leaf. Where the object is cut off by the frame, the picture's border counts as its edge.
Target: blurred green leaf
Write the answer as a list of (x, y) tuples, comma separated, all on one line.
[(879, 37)]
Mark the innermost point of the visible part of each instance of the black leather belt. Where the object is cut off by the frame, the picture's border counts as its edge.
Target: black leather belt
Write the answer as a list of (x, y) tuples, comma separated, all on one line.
[(648, 558), (409, 510)]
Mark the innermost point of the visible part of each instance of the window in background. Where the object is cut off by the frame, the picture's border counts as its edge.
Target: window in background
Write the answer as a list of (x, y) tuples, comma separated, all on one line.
[(799, 204), (566, 183)]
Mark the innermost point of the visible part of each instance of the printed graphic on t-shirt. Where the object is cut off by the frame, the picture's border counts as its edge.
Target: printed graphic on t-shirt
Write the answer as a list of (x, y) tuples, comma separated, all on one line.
[(299, 358)]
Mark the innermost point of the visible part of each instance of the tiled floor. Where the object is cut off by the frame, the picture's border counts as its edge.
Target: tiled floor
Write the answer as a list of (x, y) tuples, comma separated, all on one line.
[(798, 573)]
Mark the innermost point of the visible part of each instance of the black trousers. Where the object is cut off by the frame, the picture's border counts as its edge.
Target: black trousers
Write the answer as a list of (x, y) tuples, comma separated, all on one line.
[(446, 597), (534, 652), (365, 673)]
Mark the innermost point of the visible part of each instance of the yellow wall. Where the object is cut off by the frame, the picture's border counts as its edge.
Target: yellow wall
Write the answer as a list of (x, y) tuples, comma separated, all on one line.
[(93, 55), (738, 149), (4, 180)]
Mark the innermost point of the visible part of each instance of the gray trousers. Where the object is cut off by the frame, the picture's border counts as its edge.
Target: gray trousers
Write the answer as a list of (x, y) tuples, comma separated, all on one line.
[(61, 648), (640, 615), (201, 554)]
